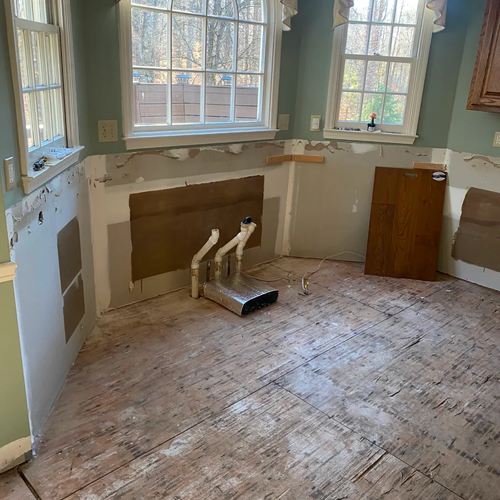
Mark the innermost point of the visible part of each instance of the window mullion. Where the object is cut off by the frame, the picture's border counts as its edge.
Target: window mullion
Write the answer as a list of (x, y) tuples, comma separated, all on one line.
[(32, 97), (235, 76), (169, 65), (203, 89)]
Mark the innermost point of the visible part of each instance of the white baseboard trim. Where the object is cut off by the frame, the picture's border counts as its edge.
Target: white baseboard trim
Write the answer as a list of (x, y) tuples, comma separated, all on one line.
[(12, 454), (7, 271)]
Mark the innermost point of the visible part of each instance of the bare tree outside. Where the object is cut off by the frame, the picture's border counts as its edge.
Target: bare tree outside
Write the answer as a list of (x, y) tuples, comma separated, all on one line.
[(185, 52)]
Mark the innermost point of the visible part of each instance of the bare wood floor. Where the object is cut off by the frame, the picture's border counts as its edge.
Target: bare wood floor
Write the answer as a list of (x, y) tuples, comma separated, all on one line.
[(369, 388)]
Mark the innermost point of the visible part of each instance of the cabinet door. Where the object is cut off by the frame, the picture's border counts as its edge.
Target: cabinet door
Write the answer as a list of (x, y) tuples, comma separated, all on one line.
[(405, 223), (485, 87)]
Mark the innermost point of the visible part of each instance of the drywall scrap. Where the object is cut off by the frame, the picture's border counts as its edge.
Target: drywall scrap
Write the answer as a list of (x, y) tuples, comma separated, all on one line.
[(169, 226), (477, 240)]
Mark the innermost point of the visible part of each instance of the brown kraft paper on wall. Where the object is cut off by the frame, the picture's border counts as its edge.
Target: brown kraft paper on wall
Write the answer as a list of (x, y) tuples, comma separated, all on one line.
[(169, 226), (74, 307), (68, 249), (477, 240)]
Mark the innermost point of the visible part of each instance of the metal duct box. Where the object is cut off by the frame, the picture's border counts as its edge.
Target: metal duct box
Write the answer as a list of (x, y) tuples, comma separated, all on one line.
[(240, 293)]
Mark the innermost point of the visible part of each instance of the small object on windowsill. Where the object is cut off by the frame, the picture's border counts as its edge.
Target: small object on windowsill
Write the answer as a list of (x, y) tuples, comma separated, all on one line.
[(57, 154), (348, 129), (372, 125), (40, 164)]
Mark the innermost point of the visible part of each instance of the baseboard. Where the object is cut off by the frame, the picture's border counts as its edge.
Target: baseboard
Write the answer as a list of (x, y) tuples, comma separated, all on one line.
[(14, 453)]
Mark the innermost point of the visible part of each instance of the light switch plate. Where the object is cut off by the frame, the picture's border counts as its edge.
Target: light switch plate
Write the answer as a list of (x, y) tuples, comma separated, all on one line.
[(108, 130), (283, 122), (315, 123), (496, 142), (10, 175)]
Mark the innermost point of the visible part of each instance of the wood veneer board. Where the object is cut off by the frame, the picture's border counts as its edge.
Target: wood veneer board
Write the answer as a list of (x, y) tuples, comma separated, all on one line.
[(405, 223), (12, 487), (169, 226)]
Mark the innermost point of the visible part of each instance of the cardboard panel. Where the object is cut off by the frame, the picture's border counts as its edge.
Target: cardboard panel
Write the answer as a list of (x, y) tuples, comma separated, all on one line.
[(169, 226), (74, 307), (477, 240), (70, 256)]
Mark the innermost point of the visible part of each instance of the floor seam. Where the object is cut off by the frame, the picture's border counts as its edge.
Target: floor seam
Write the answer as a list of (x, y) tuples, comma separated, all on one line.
[(28, 484)]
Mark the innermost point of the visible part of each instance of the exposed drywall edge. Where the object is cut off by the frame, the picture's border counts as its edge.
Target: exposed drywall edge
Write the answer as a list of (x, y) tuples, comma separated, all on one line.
[(12, 454)]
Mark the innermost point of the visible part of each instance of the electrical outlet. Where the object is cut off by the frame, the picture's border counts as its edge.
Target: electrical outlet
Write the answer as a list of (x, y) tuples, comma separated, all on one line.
[(108, 131), (315, 123), (496, 142), (10, 175), (284, 122)]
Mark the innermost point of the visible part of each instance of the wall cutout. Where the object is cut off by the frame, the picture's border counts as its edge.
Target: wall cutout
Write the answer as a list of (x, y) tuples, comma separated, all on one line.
[(477, 240), (169, 226), (70, 266)]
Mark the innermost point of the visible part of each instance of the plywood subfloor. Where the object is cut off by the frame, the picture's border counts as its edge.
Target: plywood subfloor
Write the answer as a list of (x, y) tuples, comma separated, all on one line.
[(369, 388)]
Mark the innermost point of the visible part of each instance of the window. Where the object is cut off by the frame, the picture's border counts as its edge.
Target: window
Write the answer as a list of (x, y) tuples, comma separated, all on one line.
[(195, 68), (378, 66), (39, 66)]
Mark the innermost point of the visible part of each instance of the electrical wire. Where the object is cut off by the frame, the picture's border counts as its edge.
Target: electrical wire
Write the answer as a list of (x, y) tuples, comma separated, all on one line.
[(307, 276), (270, 280)]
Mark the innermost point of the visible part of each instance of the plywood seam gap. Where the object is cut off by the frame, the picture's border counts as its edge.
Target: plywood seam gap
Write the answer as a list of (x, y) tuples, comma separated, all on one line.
[(28, 484)]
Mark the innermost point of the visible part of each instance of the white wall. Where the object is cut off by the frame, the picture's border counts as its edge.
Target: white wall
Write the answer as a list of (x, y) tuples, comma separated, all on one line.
[(47, 357)]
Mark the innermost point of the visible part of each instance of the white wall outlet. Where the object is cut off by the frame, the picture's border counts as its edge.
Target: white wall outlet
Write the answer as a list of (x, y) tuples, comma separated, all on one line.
[(496, 142), (284, 122), (315, 123), (10, 175), (108, 131)]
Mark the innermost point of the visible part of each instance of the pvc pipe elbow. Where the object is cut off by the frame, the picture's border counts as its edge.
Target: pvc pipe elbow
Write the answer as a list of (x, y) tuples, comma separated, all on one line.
[(214, 238)]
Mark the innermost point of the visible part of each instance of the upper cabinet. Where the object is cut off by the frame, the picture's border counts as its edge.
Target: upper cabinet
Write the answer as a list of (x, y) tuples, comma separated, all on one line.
[(484, 92)]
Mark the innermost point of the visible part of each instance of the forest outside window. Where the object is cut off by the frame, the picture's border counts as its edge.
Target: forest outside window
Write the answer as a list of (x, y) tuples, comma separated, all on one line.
[(378, 66), (195, 68), (39, 66)]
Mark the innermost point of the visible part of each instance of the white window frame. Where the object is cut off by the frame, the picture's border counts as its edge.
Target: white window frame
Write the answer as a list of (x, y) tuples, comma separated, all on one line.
[(142, 137), (414, 96), (32, 180)]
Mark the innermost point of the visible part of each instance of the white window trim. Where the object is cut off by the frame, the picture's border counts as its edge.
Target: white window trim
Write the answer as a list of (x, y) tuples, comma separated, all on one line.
[(219, 133), (415, 91), (33, 180)]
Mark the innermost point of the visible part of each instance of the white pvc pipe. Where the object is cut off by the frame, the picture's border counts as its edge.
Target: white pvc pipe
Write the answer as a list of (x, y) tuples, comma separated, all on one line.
[(195, 263), (241, 246), (228, 246)]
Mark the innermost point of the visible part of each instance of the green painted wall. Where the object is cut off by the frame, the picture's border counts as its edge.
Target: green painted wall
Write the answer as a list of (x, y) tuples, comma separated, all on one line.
[(14, 423), (314, 72), (472, 131)]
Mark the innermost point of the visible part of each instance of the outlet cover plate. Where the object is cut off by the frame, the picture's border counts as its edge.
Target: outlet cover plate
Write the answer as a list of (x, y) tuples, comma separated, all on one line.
[(108, 131), (283, 122), (315, 123), (496, 142), (10, 175)]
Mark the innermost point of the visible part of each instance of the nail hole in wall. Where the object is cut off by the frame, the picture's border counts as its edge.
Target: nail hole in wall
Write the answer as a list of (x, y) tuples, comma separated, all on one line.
[(40, 218)]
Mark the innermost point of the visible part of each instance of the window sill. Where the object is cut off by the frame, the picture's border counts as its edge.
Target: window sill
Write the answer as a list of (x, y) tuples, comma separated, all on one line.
[(351, 135), (7, 271), (185, 138), (38, 179)]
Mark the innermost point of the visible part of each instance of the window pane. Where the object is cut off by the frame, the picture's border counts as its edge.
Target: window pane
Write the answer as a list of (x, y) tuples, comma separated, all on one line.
[(357, 36), (43, 111), (399, 77), (28, 98), (218, 97), (150, 97), (57, 112), (383, 11), (220, 43), (350, 104), (39, 10), (354, 74), (149, 38), (159, 4), (402, 42), (249, 47), (380, 37), (372, 103), (360, 11), (23, 9), (54, 58), (186, 42), (406, 11), (194, 6), (39, 58), (222, 8), (186, 93), (247, 97), (394, 109), (375, 76), (250, 10), (23, 60)]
